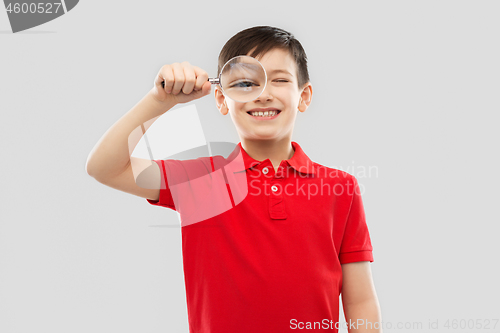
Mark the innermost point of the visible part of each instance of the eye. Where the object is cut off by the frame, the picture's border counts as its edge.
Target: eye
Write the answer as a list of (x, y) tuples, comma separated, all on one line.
[(242, 84), (281, 80)]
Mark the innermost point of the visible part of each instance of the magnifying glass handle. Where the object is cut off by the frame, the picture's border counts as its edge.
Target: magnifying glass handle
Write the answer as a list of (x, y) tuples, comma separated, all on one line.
[(214, 80)]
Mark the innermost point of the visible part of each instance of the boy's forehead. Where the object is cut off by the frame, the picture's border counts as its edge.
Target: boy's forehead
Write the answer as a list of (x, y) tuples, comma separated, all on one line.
[(274, 54), (276, 59)]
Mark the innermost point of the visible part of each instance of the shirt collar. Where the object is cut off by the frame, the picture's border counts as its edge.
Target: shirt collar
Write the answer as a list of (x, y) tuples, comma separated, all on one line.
[(299, 161)]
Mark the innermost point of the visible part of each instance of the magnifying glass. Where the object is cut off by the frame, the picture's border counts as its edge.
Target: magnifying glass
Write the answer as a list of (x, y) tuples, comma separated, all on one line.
[(243, 79)]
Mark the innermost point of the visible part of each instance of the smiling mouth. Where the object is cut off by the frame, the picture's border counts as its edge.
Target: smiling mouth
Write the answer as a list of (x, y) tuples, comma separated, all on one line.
[(264, 114)]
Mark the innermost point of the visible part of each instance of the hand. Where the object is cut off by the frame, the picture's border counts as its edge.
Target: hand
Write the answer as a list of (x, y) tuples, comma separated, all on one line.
[(180, 83)]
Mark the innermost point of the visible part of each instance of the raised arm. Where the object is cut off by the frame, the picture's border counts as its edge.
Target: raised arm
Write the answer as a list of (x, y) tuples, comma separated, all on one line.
[(110, 163)]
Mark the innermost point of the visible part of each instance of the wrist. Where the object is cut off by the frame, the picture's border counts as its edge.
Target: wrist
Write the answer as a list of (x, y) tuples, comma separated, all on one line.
[(158, 106)]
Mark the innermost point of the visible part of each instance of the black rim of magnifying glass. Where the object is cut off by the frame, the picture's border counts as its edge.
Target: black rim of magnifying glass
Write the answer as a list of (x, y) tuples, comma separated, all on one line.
[(217, 80)]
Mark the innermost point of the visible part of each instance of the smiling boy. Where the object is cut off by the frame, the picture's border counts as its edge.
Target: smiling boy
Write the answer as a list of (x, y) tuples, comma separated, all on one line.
[(280, 258)]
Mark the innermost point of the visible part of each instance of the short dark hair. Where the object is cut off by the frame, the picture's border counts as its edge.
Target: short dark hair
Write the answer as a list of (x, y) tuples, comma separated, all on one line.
[(265, 38)]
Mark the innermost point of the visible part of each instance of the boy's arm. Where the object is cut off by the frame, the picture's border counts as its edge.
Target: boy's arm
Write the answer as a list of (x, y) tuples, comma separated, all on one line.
[(110, 162), (359, 299)]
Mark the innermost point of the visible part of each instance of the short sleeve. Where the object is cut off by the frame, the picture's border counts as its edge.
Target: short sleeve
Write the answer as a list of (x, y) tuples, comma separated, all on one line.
[(165, 199), (356, 244)]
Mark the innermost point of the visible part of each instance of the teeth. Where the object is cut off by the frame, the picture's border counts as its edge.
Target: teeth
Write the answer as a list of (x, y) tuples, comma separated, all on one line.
[(264, 114)]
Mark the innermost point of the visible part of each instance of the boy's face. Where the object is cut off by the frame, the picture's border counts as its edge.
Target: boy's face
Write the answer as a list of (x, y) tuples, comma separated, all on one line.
[(281, 93)]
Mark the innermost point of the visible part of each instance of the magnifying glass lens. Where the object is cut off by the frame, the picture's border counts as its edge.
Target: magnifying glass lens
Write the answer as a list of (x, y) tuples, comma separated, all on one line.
[(243, 79)]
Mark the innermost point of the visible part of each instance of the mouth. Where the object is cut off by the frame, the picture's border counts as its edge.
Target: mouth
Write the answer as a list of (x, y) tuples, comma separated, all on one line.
[(264, 114)]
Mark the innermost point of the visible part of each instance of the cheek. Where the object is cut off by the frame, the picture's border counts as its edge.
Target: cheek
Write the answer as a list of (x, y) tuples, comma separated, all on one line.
[(290, 101), (234, 107), (289, 94)]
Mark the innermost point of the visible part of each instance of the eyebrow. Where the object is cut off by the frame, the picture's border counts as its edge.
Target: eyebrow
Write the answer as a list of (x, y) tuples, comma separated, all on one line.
[(284, 71)]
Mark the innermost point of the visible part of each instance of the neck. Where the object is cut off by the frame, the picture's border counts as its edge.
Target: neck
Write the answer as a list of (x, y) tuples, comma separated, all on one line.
[(276, 151)]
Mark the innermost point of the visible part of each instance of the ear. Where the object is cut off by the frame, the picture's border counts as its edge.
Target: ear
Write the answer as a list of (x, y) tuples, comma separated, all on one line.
[(220, 100), (305, 97)]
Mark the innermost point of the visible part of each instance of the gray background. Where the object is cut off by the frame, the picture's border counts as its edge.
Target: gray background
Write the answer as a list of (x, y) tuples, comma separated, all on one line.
[(408, 87)]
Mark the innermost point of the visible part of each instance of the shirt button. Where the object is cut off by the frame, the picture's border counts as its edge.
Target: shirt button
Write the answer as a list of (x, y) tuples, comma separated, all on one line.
[(265, 170), (274, 188)]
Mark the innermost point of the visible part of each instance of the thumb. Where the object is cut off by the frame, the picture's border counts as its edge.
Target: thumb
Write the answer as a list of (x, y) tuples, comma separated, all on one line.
[(205, 88)]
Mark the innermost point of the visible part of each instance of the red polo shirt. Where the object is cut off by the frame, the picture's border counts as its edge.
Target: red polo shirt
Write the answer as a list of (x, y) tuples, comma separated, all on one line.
[(269, 261)]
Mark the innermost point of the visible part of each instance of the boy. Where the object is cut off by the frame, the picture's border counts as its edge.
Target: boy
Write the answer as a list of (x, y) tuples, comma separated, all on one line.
[(278, 260)]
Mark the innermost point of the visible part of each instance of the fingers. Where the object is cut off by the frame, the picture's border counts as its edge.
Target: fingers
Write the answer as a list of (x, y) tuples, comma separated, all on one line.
[(186, 81), (189, 78), (183, 77), (201, 78), (165, 79), (178, 78), (206, 87)]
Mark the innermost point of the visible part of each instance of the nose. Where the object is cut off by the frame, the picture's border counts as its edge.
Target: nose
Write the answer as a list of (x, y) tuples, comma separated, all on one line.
[(265, 96)]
